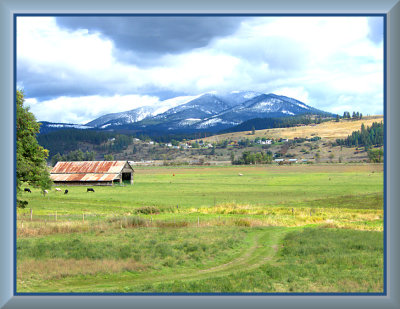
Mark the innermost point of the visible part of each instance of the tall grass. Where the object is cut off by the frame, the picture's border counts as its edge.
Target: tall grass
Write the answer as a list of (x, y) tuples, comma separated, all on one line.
[(314, 260)]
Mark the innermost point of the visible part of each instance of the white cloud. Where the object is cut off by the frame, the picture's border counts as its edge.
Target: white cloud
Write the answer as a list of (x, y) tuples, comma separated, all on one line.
[(318, 60), (84, 109), (299, 93)]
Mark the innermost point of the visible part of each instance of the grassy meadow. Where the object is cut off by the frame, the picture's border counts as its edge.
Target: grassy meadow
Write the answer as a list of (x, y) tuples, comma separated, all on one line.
[(300, 228)]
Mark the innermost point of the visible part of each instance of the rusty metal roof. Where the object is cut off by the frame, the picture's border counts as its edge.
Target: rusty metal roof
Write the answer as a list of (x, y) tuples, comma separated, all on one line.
[(83, 177), (89, 167)]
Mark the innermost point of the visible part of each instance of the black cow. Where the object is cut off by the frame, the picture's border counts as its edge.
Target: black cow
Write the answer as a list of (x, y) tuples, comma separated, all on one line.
[(66, 191), (90, 190), (27, 190)]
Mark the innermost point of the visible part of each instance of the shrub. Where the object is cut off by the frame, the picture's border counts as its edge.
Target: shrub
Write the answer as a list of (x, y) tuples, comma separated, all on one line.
[(242, 222), (148, 210), (172, 224)]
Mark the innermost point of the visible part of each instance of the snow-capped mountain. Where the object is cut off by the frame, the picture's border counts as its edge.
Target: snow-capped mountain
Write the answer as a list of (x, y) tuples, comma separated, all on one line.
[(205, 112), (266, 105), (138, 114), (214, 112)]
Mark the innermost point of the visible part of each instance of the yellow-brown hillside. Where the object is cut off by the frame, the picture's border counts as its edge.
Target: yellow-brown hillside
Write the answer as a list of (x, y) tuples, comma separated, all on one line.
[(328, 130)]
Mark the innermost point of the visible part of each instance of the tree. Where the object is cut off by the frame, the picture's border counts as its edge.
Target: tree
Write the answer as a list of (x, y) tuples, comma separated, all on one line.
[(253, 130), (232, 157), (337, 118), (57, 157), (375, 155), (109, 157), (31, 157)]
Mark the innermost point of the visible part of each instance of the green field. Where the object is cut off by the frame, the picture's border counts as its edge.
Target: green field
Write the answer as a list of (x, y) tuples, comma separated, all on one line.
[(304, 228)]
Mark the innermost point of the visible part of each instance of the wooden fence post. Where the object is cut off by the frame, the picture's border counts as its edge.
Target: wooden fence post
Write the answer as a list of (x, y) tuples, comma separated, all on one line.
[(56, 216), (31, 214)]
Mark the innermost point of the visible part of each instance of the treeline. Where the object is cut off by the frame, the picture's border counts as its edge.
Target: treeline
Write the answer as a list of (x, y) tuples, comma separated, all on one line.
[(366, 137), (355, 115), (117, 143), (68, 143), (270, 123), (169, 138), (64, 141), (76, 155), (253, 158)]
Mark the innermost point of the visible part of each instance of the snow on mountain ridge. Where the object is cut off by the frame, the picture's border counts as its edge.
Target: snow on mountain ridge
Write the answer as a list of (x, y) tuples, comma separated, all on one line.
[(212, 111)]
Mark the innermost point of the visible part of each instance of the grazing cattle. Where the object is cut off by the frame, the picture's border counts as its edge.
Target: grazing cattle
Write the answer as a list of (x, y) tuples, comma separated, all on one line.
[(66, 191), (240, 174), (58, 189), (45, 192), (90, 190), (27, 190)]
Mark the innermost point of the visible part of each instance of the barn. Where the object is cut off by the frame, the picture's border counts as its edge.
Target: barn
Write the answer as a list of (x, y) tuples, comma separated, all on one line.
[(92, 173)]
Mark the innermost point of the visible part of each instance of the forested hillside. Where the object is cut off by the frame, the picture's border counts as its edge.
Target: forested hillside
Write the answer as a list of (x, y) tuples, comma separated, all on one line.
[(269, 123), (366, 137), (69, 141)]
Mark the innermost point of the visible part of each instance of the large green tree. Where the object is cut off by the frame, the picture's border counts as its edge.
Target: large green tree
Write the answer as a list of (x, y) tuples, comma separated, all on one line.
[(31, 157)]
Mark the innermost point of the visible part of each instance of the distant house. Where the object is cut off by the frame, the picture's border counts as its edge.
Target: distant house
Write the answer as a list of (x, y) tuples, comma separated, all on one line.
[(279, 160), (92, 173), (293, 160)]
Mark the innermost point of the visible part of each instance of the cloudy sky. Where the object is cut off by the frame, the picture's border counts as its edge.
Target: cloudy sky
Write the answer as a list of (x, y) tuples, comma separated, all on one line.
[(75, 69)]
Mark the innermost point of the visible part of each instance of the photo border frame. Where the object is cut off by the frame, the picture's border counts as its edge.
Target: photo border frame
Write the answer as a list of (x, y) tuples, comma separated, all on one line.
[(8, 8)]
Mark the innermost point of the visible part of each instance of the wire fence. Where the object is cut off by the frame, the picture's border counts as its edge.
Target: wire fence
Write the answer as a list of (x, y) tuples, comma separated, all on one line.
[(129, 221)]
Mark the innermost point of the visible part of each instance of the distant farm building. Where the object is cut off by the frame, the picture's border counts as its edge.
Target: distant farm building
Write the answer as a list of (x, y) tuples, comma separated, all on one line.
[(92, 173)]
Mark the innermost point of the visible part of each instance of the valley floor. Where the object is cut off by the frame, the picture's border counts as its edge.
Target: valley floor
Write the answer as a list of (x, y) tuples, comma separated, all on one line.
[(280, 229)]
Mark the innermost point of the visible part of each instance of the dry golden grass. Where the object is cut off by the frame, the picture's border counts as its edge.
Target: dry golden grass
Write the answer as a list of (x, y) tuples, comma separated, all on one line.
[(37, 228), (328, 130), (284, 216), (60, 268)]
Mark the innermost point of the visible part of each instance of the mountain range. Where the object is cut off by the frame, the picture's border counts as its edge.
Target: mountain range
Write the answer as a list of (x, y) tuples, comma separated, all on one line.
[(209, 112)]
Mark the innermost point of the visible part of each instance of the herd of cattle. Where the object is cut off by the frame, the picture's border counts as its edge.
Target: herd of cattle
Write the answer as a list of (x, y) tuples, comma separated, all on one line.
[(57, 190)]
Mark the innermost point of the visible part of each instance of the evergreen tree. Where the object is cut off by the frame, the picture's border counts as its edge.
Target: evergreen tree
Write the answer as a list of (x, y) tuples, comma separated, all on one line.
[(56, 158)]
